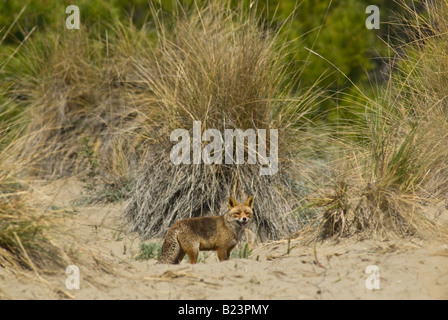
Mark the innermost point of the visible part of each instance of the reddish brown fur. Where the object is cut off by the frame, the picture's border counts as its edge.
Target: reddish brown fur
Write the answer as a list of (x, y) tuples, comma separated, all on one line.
[(220, 233)]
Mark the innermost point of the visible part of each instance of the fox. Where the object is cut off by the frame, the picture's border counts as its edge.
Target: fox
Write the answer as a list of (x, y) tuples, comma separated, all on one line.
[(220, 233)]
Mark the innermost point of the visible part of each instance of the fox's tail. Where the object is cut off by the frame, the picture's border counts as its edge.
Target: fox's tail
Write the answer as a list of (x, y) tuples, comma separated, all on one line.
[(171, 249)]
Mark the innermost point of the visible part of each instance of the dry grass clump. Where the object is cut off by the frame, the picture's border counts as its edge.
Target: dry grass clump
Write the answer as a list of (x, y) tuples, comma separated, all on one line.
[(24, 241), (32, 237), (73, 97), (385, 184), (76, 108), (225, 69)]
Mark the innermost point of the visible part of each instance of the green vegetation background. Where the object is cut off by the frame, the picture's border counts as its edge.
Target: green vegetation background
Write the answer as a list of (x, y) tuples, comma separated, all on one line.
[(335, 29)]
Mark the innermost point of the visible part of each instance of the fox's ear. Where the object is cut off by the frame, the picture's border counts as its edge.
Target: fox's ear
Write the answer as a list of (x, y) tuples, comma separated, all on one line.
[(232, 203), (250, 202)]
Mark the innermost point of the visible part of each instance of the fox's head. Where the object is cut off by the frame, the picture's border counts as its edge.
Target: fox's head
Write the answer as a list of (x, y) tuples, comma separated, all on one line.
[(240, 213)]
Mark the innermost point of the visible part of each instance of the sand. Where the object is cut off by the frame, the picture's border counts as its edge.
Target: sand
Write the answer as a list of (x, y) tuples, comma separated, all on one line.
[(405, 269)]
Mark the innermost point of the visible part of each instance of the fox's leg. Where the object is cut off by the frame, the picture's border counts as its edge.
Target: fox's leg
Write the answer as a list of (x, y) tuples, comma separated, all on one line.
[(228, 252), (222, 254), (190, 246), (193, 253), (180, 256)]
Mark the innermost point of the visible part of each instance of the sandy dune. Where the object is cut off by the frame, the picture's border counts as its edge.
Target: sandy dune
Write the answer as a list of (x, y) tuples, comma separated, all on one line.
[(411, 269)]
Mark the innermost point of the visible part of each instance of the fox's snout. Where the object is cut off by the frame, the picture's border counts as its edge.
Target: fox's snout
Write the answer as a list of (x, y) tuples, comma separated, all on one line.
[(243, 219)]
